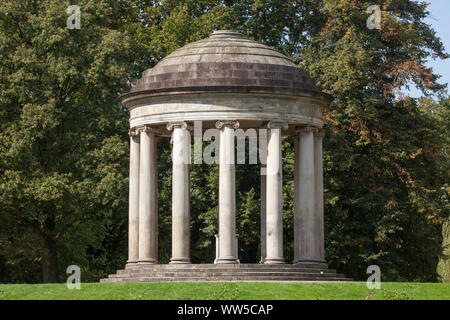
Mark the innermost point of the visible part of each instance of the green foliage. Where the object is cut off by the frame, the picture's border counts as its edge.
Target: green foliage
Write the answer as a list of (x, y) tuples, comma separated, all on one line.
[(223, 291), (396, 295), (63, 154), (382, 155), (444, 262)]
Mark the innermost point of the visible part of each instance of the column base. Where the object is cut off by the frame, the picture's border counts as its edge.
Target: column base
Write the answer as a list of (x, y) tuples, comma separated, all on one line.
[(131, 264), (147, 261), (180, 261), (311, 261), (228, 260), (274, 261)]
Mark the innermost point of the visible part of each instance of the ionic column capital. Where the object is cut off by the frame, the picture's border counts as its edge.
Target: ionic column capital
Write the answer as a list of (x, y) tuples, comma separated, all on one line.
[(222, 124), (178, 124), (145, 128), (133, 133), (305, 129), (278, 125), (319, 133)]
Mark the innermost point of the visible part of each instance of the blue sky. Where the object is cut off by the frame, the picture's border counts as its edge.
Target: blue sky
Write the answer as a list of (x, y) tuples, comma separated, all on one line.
[(440, 20)]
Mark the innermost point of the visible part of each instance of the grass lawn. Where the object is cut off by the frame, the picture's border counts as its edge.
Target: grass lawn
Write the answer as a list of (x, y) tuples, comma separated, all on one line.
[(227, 291)]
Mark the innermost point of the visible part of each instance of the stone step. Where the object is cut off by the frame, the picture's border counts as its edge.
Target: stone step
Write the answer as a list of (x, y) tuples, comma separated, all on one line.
[(228, 274), (226, 266), (227, 270), (225, 277), (224, 272), (220, 279), (211, 270), (190, 271)]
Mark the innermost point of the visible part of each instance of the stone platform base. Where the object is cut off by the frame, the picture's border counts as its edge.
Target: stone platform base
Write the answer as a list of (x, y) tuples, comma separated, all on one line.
[(225, 272)]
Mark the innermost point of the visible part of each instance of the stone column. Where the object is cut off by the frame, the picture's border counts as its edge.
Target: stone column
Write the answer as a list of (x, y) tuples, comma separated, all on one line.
[(180, 193), (274, 194), (227, 193), (318, 183), (297, 225), (305, 243), (148, 215), (133, 212), (263, 214)]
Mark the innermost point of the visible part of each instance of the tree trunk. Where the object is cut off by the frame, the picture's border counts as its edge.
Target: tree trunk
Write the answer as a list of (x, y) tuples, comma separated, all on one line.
[(50, 270)]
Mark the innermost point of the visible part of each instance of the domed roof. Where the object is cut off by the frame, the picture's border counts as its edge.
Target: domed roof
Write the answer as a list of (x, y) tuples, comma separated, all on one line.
[(224, 62)]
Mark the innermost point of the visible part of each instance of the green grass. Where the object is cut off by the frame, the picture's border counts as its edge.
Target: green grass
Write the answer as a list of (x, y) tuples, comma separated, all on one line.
[(227, 291)]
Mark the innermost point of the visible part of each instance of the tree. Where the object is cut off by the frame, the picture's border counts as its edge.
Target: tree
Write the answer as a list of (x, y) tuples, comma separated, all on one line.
[(438, 115), (62, 146), (382, 156)]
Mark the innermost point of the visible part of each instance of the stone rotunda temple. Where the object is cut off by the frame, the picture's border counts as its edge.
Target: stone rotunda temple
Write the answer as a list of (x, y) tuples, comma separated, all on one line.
[(226, 82)]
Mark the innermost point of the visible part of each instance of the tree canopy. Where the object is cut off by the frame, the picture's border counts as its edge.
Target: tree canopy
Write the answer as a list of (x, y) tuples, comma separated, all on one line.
[(64, 143)]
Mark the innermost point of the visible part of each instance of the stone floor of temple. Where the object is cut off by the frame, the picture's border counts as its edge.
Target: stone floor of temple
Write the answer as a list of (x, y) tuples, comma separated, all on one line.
[(225, 272)]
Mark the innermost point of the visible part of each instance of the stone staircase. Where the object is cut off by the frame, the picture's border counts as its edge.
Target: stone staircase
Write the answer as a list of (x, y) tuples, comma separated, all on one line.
[(223, 272)]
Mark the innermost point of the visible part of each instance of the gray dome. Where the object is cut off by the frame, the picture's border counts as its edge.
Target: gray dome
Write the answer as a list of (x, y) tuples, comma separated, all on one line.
[(224, 62)]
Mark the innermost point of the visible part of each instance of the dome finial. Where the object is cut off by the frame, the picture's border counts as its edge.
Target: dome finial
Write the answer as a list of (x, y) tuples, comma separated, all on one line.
[(225, 33)]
